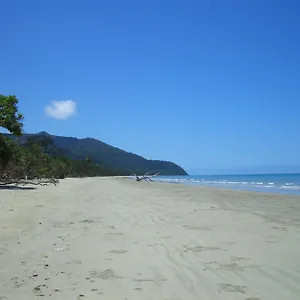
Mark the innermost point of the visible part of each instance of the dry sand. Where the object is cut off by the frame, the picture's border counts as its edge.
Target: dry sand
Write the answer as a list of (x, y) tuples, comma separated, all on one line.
[(120, 239)]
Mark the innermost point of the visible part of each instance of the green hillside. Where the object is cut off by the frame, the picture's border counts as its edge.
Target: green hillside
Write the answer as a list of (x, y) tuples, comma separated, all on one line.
[(108, 156)]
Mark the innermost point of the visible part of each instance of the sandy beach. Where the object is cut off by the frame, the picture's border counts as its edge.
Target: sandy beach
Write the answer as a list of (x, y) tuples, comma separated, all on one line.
[(115, 238)]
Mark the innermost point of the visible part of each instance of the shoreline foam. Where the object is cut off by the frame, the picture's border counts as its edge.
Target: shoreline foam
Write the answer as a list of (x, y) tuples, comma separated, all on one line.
[(257, 183)]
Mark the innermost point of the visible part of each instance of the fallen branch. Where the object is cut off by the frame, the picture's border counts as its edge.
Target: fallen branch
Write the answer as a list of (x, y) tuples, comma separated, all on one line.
[(145, 177)]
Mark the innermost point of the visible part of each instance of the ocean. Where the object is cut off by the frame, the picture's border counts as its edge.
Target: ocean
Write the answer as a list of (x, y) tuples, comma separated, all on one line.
[(272, 183)]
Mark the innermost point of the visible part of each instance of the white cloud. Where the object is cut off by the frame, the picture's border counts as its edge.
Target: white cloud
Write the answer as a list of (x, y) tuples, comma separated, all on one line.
[(61, 110)]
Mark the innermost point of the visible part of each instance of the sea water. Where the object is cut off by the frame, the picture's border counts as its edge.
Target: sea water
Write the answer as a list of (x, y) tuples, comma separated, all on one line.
[(274, 183)]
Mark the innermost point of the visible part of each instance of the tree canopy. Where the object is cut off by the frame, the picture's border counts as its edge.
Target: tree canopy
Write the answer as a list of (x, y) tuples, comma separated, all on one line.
[(10, 118)]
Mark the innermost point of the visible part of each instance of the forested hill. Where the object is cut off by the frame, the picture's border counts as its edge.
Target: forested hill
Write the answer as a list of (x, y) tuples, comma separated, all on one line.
[(109, 156)]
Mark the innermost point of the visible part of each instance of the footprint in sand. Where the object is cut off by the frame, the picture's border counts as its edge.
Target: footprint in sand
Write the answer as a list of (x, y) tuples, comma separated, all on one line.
[(201, 249), (232, 288), (17, 283), (115, 233), (74, 262), (149, 280), (166, 237), (61, 224), (231, 267), (97, 220), (120, 251), (271, 241), (189, 227), (105, 275), (280, 228), (37, 290), (239, 258), (61, 249)]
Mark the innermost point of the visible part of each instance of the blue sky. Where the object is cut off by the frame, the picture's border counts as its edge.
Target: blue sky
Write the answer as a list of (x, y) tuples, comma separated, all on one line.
[(211, 85)]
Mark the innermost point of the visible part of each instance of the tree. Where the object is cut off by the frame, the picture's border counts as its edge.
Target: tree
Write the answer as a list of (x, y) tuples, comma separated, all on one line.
[(88, 160), (10, 118), (9, 152)]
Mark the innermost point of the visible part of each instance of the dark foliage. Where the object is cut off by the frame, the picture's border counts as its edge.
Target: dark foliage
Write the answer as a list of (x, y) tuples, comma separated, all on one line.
[(10, 118), (106, 156), (40, 158)]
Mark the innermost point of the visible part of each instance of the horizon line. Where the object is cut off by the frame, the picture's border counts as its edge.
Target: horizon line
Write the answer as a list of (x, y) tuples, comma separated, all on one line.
[(245, 174)]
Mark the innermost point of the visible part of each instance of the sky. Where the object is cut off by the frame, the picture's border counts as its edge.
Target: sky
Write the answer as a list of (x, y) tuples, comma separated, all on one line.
[(211, 85)]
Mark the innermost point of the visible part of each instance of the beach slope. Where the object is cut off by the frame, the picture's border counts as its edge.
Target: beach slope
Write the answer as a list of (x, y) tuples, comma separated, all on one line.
[(105, 238)]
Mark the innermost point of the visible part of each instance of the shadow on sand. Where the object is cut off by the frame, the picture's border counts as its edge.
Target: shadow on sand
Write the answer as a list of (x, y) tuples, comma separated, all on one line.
[(16, 187)]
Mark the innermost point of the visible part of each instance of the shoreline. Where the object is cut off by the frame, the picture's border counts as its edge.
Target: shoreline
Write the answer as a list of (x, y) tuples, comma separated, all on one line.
[(264, 188), (115, 238)]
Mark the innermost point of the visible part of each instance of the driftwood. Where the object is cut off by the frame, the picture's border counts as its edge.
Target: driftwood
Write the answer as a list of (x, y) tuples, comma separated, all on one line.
[(145, 177), (29, 182), (15, 177)]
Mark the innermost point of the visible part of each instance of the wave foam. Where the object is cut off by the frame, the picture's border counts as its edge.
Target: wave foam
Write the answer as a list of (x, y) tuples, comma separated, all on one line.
[(268, 185)]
